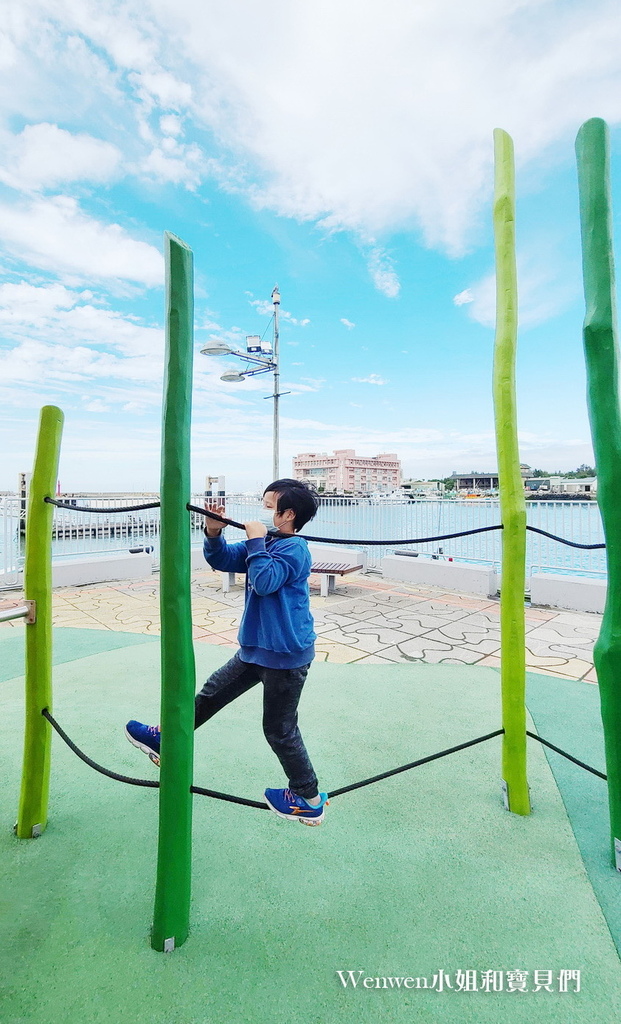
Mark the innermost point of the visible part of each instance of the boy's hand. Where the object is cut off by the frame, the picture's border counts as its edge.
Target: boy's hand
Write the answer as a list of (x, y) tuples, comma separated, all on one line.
[(213, 528), (255, 530)]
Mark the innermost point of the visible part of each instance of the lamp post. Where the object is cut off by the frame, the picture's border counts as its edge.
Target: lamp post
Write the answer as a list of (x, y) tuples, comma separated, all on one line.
[(275, 296), (265, 363)]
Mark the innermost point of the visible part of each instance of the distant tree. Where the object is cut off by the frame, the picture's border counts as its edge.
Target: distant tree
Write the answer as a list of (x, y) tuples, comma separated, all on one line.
[(580, 473), (449, 483), (541, 473)]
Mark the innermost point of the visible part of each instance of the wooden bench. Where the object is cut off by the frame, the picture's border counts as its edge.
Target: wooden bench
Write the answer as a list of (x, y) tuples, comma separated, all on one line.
[(328, 571)]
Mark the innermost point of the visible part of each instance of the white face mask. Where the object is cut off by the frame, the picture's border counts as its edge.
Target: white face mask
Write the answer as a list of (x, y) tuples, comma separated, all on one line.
[(266, 516)]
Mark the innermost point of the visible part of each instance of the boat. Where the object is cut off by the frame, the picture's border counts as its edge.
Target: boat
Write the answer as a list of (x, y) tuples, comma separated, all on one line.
[(394, 497)]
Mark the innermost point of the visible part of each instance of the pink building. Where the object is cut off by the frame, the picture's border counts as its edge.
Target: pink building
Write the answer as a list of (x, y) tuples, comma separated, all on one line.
[(346, 471)]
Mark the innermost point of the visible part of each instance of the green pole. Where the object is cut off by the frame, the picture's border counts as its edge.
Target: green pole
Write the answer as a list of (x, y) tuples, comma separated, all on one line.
[(602, 364), (172, 895), (512, 500), (32, 814)]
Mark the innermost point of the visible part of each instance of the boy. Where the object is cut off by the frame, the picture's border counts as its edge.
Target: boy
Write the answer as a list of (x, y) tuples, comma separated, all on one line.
[(276, 639)]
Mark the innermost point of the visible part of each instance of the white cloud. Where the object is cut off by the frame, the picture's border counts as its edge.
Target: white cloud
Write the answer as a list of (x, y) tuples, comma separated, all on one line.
[(347, 323), (546, 286), (463, 298), (180, 165), (136, 407), (24, 303), (267, 309), (374, 123), (44, 156), (373, 378), (206, 323), (170, 124), (54, 314), (96, 405), (127, 32), (55, 234), (57, 341), (358, 122), (162, 88), (383, 273)]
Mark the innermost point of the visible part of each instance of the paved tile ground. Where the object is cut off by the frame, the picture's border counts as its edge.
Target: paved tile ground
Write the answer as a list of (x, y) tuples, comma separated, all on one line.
[(369, 619)]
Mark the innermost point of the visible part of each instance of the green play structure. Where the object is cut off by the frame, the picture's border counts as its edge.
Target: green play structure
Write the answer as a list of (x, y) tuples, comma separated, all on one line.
[(173, 884), (602, 361)]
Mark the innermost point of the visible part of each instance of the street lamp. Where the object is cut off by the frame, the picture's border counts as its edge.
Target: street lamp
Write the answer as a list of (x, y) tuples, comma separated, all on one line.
[(267, 362)]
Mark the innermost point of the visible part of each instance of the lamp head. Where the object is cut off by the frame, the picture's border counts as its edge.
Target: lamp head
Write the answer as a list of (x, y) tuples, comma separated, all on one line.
[(216, 348)]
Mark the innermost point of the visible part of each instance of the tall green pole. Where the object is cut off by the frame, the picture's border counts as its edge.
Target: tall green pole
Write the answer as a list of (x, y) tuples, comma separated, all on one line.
[(33, 801), (512, 500), (172, 895), (602, 363)]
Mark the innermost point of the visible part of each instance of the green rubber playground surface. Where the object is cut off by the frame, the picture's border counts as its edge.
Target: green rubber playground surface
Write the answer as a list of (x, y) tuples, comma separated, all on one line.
[(416, 874)]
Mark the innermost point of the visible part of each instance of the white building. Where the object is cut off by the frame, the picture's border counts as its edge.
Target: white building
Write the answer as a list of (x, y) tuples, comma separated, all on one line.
[(559, 485), (424, 487), (476, 482), (345, 471)]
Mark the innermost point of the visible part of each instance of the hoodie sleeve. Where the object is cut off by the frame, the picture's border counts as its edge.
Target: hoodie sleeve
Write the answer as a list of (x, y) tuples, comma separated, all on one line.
[(223, 556), (269, 570)]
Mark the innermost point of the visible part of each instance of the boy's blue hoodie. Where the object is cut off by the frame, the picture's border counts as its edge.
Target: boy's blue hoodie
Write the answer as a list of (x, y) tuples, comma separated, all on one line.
[(276, 629)]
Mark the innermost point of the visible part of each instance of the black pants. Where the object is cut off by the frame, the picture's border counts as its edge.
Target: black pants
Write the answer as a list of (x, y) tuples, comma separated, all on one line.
[(281, 694)]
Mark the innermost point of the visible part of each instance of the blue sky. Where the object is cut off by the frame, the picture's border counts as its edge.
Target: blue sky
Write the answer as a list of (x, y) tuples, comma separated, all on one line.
[(341, 151)]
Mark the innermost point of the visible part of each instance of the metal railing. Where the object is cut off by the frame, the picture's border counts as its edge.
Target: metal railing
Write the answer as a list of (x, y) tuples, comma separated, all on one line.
[(11, 530), (362, 518), (94, 534)]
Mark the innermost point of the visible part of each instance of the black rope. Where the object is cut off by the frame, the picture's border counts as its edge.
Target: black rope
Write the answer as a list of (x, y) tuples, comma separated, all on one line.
[(393, 543), (93, 764), (200, 791), (327, 540), (147, 783), (83, 508), (561, 540), (569, 757), (335, 540), (227, 796), (415, 764), (413, 540), (212, 515)]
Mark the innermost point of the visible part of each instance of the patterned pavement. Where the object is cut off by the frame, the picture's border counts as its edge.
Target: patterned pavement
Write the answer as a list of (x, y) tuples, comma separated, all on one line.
[(369, 619)]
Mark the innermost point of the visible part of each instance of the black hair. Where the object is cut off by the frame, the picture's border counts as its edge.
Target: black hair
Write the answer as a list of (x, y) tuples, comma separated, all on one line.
[(296, 495)]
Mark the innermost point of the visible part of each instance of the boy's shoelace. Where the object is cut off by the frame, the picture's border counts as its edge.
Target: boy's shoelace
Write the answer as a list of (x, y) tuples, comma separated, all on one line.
[(289, 795)]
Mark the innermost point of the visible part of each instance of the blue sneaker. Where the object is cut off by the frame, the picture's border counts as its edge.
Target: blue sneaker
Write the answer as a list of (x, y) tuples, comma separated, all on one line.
[(287, 804), (145, 737)]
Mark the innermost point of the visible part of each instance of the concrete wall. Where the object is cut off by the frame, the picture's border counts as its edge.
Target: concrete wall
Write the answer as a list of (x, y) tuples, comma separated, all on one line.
[(197, 559), (576, 593), (469, 579), (337, 553), (77, 572)]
